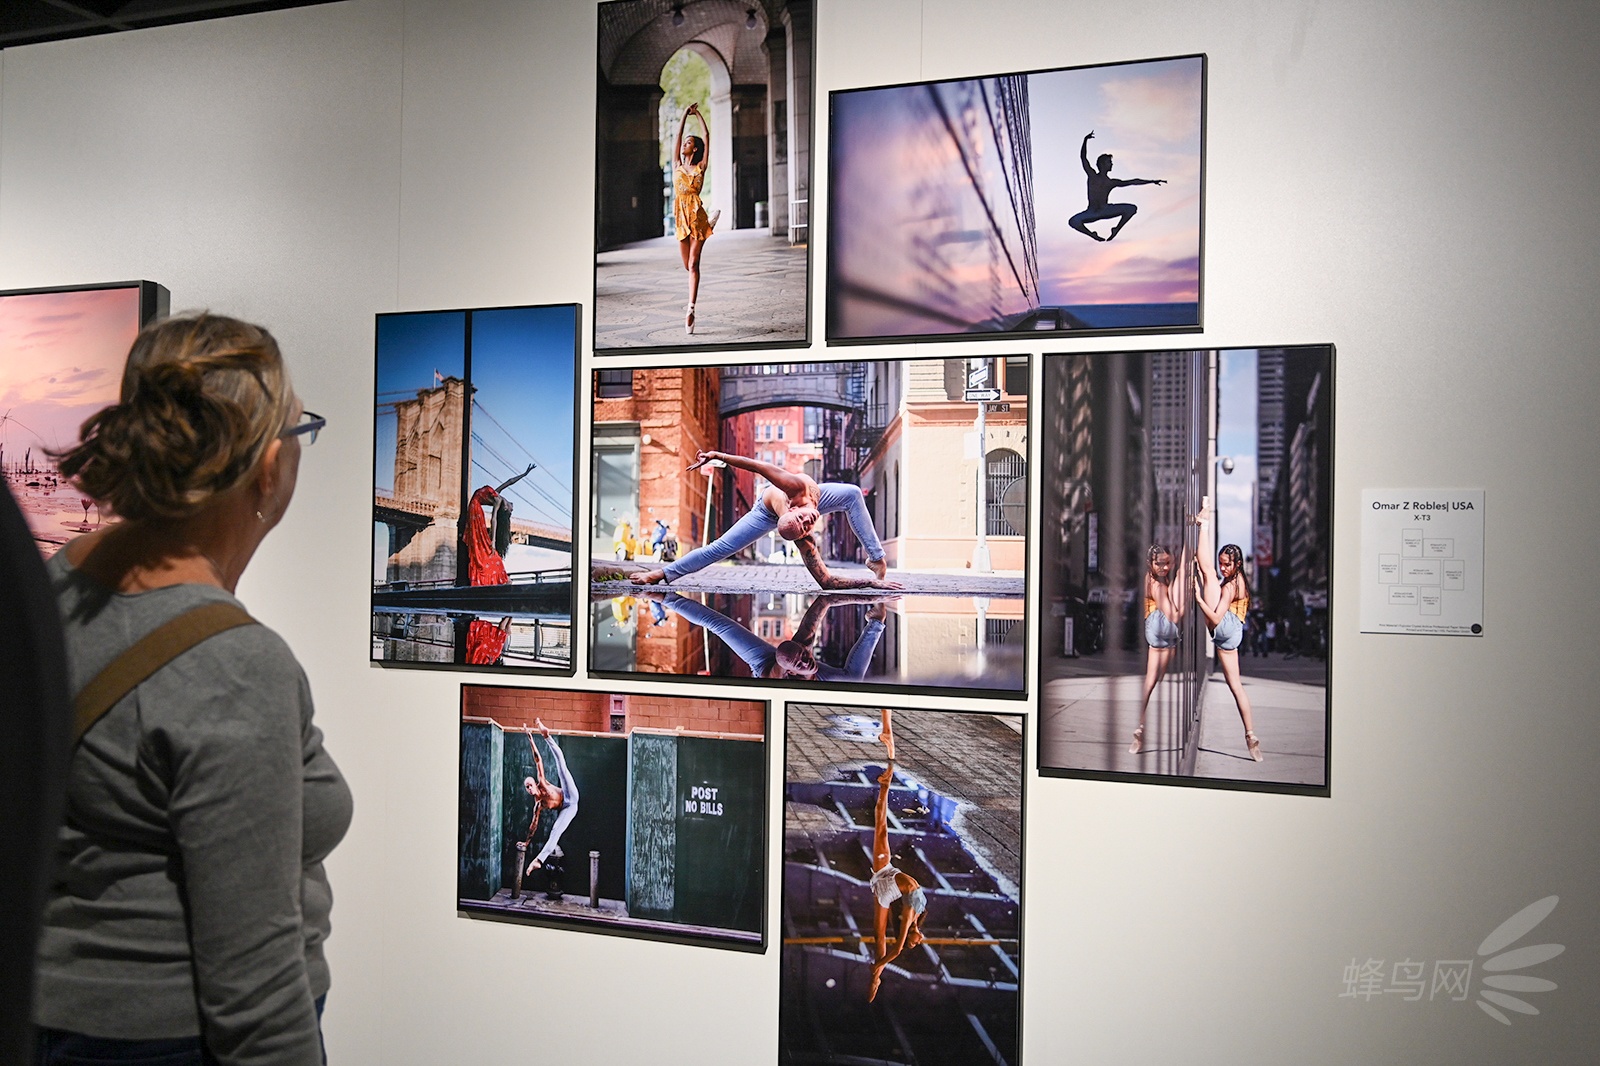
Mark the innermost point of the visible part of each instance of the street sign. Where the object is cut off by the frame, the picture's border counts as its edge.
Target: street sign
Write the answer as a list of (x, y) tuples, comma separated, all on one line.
[(997, 407), (978, 376), (980, 395)]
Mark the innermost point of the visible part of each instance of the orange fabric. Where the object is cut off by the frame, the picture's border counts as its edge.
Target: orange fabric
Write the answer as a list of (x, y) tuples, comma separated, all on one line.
[(484, 565), (688, 213)]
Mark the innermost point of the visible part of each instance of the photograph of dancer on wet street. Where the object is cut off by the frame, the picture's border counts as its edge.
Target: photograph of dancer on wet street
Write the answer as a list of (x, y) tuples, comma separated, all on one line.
[(850, 523)]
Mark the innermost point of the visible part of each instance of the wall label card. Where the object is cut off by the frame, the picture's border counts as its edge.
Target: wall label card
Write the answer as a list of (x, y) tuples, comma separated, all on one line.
[(1422, 561)]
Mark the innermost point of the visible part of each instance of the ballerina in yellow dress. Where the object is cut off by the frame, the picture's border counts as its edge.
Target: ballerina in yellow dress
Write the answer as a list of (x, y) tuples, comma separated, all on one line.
[(689, 221)]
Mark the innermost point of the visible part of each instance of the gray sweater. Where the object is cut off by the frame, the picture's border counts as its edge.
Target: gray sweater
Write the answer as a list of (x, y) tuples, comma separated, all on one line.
[(189, 871)]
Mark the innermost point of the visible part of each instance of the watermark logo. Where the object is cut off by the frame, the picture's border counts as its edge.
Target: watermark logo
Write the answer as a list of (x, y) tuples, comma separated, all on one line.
[(1451, 980)]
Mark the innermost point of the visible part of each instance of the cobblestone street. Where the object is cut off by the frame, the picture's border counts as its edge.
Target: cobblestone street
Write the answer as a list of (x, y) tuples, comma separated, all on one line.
[(752, 291), (975, 758)]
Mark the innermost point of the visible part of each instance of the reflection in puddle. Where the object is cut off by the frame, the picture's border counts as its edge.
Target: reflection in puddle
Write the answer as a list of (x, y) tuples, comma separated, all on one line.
[(468, 639), (926, 641)]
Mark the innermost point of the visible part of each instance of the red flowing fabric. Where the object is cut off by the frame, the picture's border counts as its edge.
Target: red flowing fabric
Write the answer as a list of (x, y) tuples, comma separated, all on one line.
[(484, 565), (486, 642)]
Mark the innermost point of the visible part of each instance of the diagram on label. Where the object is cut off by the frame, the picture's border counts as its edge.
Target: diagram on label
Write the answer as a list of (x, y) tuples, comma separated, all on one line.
[(1422, 561)]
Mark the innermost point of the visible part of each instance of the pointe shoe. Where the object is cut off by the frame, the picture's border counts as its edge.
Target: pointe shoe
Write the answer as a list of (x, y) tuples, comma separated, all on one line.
[(1252, 742), (688, 319), (1138, 741), (711, 223)]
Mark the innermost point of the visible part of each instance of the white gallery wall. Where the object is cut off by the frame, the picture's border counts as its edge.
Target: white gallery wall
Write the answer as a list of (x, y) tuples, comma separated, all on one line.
[(1415, 182)]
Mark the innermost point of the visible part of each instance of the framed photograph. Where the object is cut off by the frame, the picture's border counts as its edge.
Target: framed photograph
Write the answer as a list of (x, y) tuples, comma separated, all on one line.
[(639, 815), (902, 874), (63, 353), (473, 487), (703, 176), (1187, 560), (848, 524), (1056, 200)]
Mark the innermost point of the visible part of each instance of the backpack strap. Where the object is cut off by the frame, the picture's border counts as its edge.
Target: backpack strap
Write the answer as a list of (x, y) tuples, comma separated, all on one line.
[(149, 654)]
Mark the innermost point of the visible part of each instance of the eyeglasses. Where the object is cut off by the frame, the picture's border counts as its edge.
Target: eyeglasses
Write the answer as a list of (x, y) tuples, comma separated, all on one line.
[(310, 425)]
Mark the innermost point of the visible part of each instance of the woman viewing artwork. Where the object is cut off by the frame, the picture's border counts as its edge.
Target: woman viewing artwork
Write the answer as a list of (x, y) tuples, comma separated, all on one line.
[(690, 157), (1224, 600), (187, 916)]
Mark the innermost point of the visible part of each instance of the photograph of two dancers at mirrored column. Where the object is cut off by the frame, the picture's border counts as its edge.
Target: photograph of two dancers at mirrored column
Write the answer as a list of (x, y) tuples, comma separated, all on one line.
[(845, 523), (1187, 543)]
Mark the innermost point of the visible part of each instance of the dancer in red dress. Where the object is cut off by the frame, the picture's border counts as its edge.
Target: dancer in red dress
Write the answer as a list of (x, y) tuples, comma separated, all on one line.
[(484, 564), (486, 641)]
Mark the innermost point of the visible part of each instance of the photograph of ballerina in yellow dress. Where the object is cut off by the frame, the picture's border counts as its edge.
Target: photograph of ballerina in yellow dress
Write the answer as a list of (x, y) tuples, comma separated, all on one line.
[(690, 223), (703, 123)]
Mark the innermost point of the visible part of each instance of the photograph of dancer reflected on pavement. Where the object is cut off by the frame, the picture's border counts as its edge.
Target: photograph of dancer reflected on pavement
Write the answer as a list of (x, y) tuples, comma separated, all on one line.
[(901, 483), (902, 875), (1190, 501)]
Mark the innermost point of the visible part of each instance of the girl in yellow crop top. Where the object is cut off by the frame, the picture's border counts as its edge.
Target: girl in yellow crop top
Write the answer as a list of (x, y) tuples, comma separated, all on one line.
[(1223, 597)]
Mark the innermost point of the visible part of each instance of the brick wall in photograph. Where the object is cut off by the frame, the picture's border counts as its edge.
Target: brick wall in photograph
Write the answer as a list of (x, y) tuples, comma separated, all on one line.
[(590, 712)]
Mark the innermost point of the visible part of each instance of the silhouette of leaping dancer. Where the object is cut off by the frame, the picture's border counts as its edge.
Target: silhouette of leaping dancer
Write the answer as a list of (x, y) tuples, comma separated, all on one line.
[(1100, 185)]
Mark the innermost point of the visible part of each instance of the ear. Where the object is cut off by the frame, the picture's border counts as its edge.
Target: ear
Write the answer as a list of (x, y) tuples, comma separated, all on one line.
[(268, 474)]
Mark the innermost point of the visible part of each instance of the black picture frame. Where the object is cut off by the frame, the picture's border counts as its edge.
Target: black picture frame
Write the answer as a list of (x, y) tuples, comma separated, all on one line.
[(637, 265), (677, 784), (28, 430), (919, 199), (1135, 443), (952, 629), (443, 612), (954, 810)]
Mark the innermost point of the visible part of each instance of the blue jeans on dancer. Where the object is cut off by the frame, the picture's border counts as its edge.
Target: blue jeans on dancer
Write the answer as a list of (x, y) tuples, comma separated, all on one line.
[(761, 520), (761, 656)]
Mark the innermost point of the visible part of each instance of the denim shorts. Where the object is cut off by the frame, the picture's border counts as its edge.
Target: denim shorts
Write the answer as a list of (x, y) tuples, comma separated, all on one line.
[(1229, 633), (1159, 632)]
